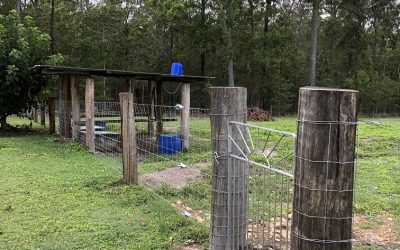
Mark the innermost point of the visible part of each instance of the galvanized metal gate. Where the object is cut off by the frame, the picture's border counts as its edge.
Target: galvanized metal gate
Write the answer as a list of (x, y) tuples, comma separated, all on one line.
[(260, 185)]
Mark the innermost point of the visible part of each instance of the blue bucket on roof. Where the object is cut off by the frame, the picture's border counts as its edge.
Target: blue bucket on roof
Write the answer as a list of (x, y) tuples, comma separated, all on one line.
[(169, 144), (176, 69)]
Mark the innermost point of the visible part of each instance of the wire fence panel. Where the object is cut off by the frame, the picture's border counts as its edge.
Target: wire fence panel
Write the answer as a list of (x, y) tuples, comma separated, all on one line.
[(263, 194), (180, 176)]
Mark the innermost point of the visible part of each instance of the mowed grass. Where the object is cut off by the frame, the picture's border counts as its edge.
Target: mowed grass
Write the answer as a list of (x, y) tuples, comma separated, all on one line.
[(64, 198), (55, 195)]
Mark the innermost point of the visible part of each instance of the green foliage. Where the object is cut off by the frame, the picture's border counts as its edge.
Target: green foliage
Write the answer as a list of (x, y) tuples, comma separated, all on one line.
[(358, 45), (22, 46)]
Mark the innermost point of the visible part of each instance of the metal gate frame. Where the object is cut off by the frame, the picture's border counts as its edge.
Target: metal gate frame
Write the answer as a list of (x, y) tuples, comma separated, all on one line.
[(241, 151)]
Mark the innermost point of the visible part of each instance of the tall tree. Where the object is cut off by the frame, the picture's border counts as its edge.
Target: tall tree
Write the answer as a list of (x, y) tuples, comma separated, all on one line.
[(313, 43), (22, 46), (52, 13), (18, 9)]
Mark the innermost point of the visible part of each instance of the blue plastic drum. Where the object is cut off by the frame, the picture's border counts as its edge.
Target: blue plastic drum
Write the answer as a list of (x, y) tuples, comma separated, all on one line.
[(169, 144), (176, 69)]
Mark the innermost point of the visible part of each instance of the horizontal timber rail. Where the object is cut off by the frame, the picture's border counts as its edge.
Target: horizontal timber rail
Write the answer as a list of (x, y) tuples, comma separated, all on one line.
[(89, 72)]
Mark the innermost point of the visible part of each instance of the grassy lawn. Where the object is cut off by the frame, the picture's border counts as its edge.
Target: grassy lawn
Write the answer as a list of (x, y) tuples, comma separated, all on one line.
[(55, 195)]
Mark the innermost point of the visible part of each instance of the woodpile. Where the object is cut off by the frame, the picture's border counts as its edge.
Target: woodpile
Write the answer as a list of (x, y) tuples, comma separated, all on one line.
[(257, 114)]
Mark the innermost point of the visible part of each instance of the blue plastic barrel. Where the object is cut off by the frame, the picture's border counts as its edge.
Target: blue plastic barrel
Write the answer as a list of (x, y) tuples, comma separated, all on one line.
[(169, 144), (176, 69), (101, 124)]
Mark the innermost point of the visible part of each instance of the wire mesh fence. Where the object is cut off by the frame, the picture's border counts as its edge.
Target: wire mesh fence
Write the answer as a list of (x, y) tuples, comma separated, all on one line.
[(182, 176), (260, 186), (264, 199)]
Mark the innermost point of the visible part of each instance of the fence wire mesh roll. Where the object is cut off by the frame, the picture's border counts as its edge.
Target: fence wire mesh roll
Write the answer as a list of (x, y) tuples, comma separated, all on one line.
[(260, 185)]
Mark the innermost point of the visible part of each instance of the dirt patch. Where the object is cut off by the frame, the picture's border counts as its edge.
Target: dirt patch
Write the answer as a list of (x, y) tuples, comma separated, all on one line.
[(176, 177), (274, 234), (379, 231), (189, 247), (189, 212)]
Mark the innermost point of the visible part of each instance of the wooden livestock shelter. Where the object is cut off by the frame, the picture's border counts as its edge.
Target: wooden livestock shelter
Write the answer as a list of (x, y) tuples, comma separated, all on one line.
[(69, 99)]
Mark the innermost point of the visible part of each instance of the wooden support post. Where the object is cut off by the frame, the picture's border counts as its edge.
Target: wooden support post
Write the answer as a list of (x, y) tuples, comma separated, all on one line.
[(324, 170), (89, 113), (76, 115), (227, 104), (52, 115), (42, 115), (150, 102), (185, 115), (128, 132), (159, 110), (35, 114), (59, 105), (66, 130)]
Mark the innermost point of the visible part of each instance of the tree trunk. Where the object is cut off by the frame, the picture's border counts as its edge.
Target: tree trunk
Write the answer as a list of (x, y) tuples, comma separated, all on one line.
[(268, 87), (251, 13), (230, 64), (52, 27), (18, 9), (313, 43), (202, 54), (3, 122)]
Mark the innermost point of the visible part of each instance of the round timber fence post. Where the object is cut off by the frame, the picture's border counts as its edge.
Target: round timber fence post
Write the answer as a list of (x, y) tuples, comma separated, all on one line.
[(89, 115), (324, 169), (227, 104), (128, 132), (185, 115)]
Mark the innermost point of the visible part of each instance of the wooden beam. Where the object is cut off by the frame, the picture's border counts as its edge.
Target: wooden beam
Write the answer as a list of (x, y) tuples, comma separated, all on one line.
[(128, 132), (324, 169), (42, 115), (150, 103), (35, 114), (227, 104), (76, 115), (159, 108), (66, 108), (52, 115), (89, 112), (185, 115)]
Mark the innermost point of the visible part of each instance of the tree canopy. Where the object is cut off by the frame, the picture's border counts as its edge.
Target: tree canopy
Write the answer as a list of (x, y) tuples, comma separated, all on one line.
[(358, 44), (22, 45)]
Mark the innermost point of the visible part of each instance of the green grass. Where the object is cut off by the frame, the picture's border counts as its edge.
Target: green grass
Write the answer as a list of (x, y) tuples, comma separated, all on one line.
[(64, 198), (57, 196)]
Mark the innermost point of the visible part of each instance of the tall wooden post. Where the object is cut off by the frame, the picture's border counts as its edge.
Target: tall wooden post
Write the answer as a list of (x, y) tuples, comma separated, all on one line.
[(52, 115), (324, 170), (185, 115), (65, 126), (76, 115), (128, 132), (227, 104), (35, 114), (89, 113), (42, 115), (159, 110), (150, 102)]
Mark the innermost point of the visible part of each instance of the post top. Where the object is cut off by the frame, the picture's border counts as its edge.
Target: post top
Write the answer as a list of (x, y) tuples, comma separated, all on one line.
[(328, 89)]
